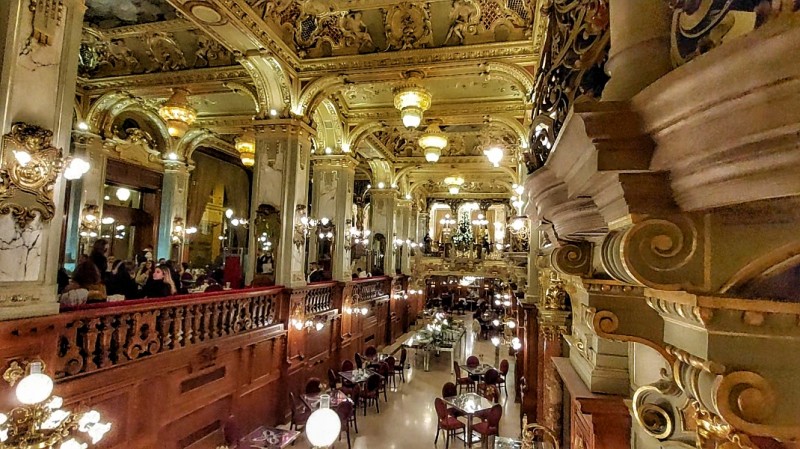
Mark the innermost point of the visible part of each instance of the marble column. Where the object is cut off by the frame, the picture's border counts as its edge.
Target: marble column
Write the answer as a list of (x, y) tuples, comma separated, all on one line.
[(640, 46), (280, 180), (332, 197), (37, 86), (384, 203), (403, 231), (174, 196)]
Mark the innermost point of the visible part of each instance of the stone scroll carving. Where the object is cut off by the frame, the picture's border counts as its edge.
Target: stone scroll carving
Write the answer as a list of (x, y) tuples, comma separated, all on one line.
[(573, 259)]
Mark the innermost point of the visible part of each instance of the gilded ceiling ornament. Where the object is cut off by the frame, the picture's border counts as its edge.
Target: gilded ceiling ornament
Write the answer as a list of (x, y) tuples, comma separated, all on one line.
[(27, 188), (99, 56), (47, 17), (408, 26), (164, 51), (480, 21), (210, 53)]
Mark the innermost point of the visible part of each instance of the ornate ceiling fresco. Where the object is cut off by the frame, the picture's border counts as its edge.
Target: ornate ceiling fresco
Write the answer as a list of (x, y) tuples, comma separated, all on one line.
[(116, 13), (336, 63), (321, 28)]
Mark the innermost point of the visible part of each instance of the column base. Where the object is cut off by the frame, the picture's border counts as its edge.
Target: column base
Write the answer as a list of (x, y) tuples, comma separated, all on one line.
[(25, 301), (15, 312)]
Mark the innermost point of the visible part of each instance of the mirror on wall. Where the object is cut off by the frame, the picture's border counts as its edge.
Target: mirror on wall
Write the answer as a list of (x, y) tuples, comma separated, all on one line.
[(378, 254), (266, 231)]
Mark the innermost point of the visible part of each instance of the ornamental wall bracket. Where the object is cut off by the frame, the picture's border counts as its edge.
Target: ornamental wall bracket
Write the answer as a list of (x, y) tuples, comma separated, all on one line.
[(660, 410), (573, 258), (27, 187), (620, 312)]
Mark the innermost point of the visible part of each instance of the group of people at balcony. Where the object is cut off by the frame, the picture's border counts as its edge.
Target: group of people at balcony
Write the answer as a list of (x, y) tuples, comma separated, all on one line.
[(96, 278)]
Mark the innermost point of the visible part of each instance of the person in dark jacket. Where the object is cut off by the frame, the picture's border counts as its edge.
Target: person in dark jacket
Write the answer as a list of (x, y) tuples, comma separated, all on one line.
[(98, 257), (122, 282), (160, 284)]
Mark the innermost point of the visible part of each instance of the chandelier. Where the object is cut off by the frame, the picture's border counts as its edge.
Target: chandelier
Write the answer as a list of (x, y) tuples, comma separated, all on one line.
[(40, 422), (454, 184), (433, 141), (246, 146), (412, 100), (177, 112), (495, 155)]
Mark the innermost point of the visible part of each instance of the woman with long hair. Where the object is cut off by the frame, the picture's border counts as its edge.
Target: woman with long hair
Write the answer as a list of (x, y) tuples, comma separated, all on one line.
[(122, 282), (159, 284), (143, 272), (84, 286)]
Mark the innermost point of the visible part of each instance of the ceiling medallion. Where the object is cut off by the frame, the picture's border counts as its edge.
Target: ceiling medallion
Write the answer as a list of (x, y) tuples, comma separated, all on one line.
[(246, 146), (454, 184), (412, 99), (433, 141), (178, 113)]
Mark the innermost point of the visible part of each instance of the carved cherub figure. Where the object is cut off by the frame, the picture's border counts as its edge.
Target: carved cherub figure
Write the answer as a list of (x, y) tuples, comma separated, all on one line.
[(464, 20), (356, 32)]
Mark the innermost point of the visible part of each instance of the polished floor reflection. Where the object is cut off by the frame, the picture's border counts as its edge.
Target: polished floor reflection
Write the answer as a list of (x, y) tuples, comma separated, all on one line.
[(408, 420)]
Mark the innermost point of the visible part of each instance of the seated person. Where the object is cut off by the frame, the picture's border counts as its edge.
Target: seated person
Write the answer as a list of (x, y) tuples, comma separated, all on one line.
[(86, 278), (160, 283)]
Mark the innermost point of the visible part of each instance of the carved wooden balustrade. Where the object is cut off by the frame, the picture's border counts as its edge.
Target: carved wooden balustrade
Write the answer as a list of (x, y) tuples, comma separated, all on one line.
[(319, 299), (371, 289), (90, 339)]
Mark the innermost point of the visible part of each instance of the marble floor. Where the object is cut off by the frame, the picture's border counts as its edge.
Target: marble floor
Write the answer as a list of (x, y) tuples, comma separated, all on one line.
[(408, 420)]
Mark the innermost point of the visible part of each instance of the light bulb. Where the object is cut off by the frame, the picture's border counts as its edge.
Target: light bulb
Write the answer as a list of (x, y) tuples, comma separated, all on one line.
[(97, 431), (364, 310), (319, 325), (381, 185), (35, 387), (496, 322), (54, 403), (496, 341), (323, 427), (123, 194), (107, 220), (55, 419), (88, 419), (229, 213), (235, 222)]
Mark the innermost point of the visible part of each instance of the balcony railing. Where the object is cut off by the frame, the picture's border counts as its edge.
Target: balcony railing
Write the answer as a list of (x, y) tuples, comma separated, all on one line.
[(319, 298), (371, 288), (93, 338)]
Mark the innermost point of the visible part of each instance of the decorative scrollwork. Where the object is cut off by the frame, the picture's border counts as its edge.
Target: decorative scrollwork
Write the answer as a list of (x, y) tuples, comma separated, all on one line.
[(570, 68), (653, 410), (408, 26), (699, 26), (573, 259), (556, 297), (26, 189)]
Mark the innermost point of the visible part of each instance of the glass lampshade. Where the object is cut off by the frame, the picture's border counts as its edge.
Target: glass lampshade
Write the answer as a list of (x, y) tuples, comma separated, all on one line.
[(323, 427), (411, 116), (178, 113), (246, 146), (432, 154), (495, 155)]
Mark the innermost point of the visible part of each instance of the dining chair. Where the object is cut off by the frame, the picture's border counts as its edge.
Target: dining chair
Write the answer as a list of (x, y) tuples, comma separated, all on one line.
[(488, 387), (450, 424), (463, 382), (332, 379), (300, 412), (504, 367), (371, 393), (347, 365), (392, 371), (473, 361), (383, 370), (345, 410), (401, 368), (490, 426), (313, 386), (449, 390)]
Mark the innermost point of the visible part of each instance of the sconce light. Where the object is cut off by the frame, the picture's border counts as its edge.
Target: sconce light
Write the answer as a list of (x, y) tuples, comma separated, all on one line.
[(40, 422), (90, 221)]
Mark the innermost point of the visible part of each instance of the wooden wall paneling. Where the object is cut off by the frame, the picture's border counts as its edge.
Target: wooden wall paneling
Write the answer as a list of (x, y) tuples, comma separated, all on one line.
[(529, 334)]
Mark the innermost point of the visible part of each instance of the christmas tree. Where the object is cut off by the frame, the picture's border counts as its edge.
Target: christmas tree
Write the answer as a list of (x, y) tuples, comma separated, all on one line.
[(462, 239)]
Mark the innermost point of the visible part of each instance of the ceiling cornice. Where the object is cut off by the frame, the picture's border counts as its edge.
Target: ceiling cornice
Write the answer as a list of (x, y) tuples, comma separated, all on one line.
[(197, 80)]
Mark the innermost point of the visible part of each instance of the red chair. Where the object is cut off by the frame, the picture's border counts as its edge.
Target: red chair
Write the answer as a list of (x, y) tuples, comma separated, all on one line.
[(314, 386), (463, 382), (504, 367), (449, 389), (488, 388), (371, 393), (473, 361), (347, 365), (446, 422), (401, 368), (346, 413), (490, 426), (300, 412)]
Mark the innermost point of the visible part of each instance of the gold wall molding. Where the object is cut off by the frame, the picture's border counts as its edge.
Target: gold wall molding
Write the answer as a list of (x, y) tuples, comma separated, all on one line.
[(27, 190)]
